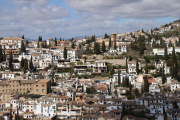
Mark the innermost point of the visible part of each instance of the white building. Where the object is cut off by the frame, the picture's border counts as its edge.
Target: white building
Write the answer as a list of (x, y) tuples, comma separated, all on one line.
[(174, 85), (154, 88)]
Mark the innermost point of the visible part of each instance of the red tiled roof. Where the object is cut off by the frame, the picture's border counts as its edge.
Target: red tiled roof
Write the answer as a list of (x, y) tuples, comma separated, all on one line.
[(102, 86), (65, 97)]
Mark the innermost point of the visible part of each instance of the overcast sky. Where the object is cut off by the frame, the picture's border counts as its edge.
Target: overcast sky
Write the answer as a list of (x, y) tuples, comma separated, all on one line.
[(71, 18)]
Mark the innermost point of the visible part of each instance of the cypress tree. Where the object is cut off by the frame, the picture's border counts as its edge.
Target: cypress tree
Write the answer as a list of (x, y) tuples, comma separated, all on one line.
[(146, 84), (156, 58), (10, 114), (31, 63), (49, 89), (42, 45), (119, 77), (171, 69), (40, 39), (23, 48), (60, 39), (22, 62), (73, 45), (17, 114), (4, 56), (10, 60), (146, 69), (65, 53), (170, 44), (25, 65), (109, 43), (23, 37), (98, 48), (165, 53), (126, 66), (163, 76), (173, 56), (1, 54), (55, 42), (126, 84), (103, 46), (137, 67), (115, 44), (45, 45), (52, 80), (38, 45)]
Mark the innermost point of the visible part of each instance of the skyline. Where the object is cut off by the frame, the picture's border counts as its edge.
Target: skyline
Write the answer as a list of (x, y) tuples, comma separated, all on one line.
[(70, 18)]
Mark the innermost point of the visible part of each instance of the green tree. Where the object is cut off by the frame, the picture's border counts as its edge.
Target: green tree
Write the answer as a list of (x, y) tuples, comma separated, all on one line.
[(163, 75), (23, 37), (136, 92), (10, 114), (106, 36), (156, 58), (103, 46), (4, 56), (126, 66), (38, 45), (31, 63), (97, 48), (73, 45), (65, 53), (146, 69), (40, 39), (173, 56), (49, 89), (52, 80), (119, 81), (42, 45), (10, 61), (26, 42), (22, 62), (115, 92), (146, 84), (85, 58), (55, 42), (109, 43), (17, 115), (142, 31), (25, 65), (137, 67), (23, 48), (115, 44), (141, 42), (175, 105), (1, 54), (170, 44), (45, 45), (165, 53)]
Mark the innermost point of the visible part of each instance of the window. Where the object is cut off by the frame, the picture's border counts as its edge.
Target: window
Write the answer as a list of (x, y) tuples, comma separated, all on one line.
[(36, 90), (42, 90), (42, 85)]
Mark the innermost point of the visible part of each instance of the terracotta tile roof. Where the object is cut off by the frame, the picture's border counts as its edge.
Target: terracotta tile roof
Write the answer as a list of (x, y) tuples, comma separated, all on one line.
[(65, 97), (150, 78), (102, 86)]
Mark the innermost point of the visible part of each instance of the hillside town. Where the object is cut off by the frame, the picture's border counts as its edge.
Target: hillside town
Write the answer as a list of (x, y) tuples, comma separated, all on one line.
[(122, 76)]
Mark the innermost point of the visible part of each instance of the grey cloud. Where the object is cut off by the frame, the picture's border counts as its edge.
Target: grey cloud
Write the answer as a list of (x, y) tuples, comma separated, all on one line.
[(134, 8)]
